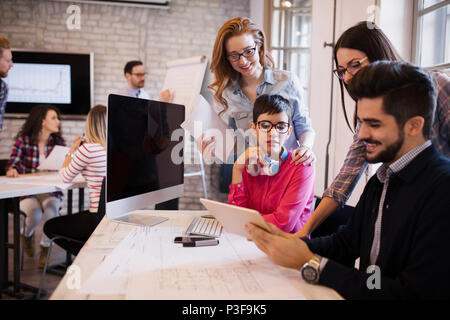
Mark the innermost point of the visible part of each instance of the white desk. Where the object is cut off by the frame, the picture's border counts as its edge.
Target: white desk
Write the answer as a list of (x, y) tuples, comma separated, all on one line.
[(235, 268), (11, 189)]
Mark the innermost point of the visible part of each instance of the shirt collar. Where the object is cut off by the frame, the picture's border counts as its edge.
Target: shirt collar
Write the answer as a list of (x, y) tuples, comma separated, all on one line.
[(237, 85), (133, 91), (385, 171), (268, 78)]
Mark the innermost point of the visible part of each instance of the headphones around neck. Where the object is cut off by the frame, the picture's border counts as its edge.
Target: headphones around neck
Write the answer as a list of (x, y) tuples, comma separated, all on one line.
[(267, 166)]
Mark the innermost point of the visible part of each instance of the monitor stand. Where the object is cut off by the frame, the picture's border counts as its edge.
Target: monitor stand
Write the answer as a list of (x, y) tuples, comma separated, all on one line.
[(141, 219)]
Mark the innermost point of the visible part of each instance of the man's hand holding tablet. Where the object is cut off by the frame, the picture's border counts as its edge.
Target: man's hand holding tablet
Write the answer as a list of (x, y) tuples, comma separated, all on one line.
[(234, 218), (284, 249)]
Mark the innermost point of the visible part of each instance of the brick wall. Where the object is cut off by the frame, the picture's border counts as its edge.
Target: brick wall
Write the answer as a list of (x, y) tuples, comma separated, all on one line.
[(117, 34)]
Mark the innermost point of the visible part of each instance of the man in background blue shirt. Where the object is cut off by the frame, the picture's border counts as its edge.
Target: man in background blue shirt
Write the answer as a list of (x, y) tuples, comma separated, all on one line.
[(135, 74), (5, 64)]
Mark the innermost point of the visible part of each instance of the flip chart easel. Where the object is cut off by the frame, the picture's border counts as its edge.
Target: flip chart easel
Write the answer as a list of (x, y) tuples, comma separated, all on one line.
[(185, 77)]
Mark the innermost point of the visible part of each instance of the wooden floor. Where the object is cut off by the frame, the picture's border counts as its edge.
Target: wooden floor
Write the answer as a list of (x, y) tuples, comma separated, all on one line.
[(31, 275)]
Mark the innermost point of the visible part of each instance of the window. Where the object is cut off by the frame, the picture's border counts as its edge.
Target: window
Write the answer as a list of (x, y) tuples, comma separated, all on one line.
[(290, 38), (432, 34)]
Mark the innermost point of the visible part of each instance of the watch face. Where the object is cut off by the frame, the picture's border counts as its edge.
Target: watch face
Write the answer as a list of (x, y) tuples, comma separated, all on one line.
[(309, 274)]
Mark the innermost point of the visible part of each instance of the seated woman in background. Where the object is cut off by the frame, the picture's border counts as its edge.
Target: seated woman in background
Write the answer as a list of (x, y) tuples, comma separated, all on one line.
[(89, 159), (36, 139), (265, 177)]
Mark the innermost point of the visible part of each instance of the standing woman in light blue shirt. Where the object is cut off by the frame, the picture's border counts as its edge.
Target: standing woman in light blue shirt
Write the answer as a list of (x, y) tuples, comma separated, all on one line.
[(243, 70)]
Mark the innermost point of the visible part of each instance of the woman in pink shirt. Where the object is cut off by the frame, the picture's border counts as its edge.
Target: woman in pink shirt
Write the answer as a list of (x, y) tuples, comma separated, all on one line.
[(265, 178)]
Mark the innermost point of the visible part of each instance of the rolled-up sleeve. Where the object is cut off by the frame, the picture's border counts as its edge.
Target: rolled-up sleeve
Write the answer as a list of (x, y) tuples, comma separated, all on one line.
[(16, 156), (238, 195), (76, 165), (352, 169), (440, 132)]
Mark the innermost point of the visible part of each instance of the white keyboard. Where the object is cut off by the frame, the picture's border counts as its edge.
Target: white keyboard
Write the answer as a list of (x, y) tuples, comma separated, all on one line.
[(204, 227)]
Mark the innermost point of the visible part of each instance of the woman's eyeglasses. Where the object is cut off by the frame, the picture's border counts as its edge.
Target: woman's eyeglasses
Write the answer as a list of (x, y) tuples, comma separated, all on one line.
[(246, 54), (352, 68), (266, 126)]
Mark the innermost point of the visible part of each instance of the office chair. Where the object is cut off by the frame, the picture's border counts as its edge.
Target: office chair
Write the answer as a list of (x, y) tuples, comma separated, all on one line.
[(331, 225), (100, 214)]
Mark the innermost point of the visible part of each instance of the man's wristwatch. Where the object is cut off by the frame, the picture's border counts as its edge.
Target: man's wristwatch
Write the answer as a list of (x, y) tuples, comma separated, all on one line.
[(310, 270)]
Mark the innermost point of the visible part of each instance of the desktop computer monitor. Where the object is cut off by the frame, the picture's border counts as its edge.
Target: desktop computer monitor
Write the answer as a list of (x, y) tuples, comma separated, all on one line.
[(144, 165)]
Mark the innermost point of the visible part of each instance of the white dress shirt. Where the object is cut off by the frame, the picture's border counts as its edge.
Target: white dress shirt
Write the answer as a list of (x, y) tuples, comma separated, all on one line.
[(130, 92)]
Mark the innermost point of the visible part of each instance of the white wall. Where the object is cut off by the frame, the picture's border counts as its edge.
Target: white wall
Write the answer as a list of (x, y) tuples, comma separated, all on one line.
[(320, 84), (257, 12), (348, 13), (396, 20)]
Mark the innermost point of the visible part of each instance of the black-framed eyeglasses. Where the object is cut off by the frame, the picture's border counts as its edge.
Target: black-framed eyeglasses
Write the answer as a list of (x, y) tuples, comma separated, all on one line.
[(248, 53), (352, 68), (266, 126), (140, 74)]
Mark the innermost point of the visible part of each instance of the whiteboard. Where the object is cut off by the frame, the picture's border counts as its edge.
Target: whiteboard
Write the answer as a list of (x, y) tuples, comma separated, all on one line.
[(185, 77)]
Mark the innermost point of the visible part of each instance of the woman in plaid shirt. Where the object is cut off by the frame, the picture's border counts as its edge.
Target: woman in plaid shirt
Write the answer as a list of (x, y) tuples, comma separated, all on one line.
[(36, 139), (356, 48)]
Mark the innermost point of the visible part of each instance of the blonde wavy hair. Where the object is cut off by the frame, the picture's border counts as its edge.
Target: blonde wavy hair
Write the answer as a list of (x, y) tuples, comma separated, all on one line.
[(223, 71), (96, 125)]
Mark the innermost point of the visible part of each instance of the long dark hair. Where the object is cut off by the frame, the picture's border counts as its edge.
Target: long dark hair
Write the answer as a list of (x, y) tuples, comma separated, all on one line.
[(33, 125), (370, 40)]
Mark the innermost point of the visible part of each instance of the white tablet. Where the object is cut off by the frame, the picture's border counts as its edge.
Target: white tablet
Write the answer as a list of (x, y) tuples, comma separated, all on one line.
[(234, 218)]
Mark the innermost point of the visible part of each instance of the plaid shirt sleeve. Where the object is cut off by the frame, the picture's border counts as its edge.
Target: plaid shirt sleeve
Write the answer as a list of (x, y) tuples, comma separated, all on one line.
[(3, 99), (440, 132), (16, 156), (354, 165), (25, 154)]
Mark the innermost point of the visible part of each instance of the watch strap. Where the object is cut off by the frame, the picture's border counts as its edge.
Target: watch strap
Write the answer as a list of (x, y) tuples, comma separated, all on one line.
[(314, 264)]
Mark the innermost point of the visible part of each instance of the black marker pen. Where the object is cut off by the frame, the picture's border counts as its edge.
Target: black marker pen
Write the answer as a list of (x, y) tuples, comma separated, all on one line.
[(202, 243)]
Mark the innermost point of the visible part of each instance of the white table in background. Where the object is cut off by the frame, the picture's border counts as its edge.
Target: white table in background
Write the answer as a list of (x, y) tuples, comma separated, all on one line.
[(11, 189)]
